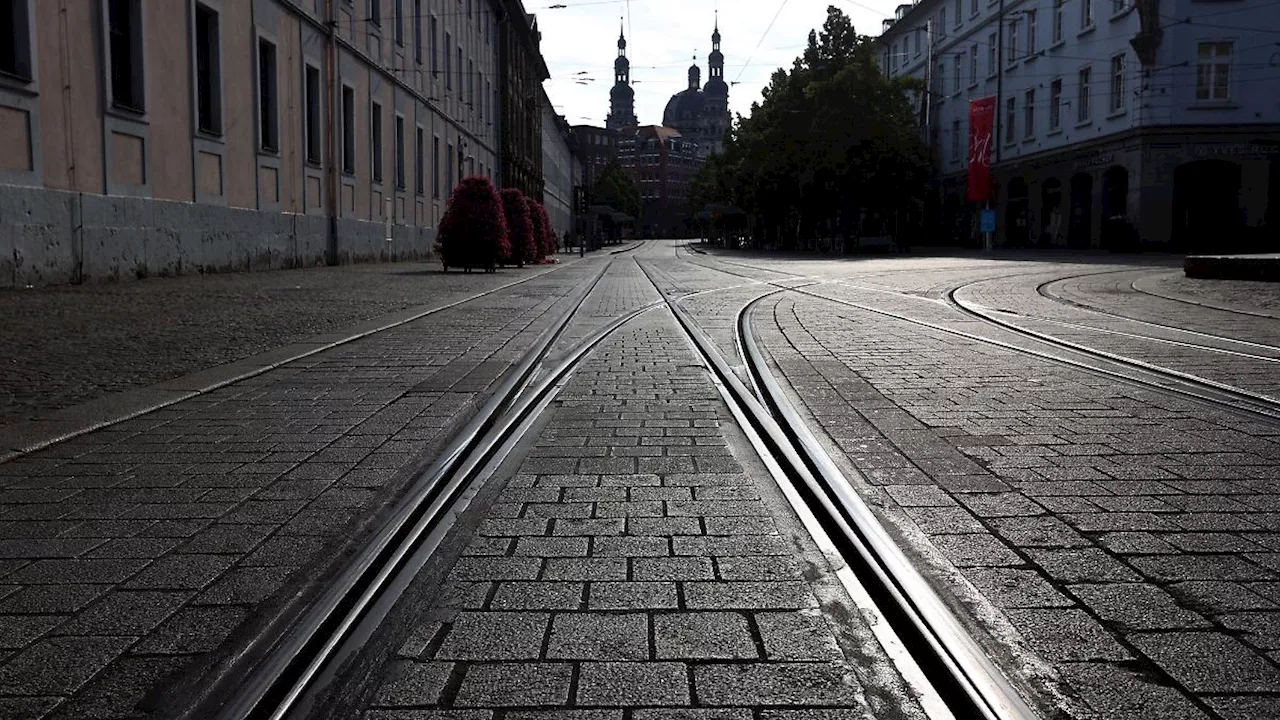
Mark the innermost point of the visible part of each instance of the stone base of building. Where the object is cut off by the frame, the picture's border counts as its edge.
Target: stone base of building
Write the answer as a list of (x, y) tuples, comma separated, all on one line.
[(52, 237), (1233, 267), (1180, 189)]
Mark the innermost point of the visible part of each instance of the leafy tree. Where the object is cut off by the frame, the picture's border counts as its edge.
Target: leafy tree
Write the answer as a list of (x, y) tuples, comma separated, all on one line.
[(616, 188), (539, 228), (473, 231), (523, 242), (831, 140), (549, 239)]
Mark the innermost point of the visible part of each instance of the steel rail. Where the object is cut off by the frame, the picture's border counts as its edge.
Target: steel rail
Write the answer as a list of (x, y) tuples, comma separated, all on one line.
[(1190, 387), (1187, 301), (1043, 290), (950, 659), (292, 662)]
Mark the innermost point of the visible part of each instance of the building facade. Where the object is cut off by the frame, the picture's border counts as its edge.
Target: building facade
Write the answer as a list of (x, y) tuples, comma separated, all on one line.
[(1116, 120), (702, 114), (206, 135), (558, 174), (523, 71), (596, 148), (663, 164)]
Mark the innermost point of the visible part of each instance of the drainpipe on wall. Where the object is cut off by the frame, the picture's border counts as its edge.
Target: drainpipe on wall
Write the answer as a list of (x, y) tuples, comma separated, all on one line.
[(331, 244)]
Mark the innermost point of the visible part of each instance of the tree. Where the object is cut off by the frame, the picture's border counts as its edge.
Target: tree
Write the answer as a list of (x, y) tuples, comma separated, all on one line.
[(833, 139), (539, 229), (473, 231), (519, 228), (616, 188), (550, 243)]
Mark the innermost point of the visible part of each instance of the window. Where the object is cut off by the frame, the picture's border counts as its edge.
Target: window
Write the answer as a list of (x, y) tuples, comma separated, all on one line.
[(1118, 6), (348, 130), (942, 23), (471, 83), (15, 40), (417, 31), (916, 39), (208, 72), (973, 64), (1013, 41), (399, 148), (959, 64), (399, 21), (955, 141), (1213, 71), (1055, 105), (311, 120), (1031, 32), (375, 12), (419, 159), (448, 55), (940, 82), (973, 7), (435, 46), (1117, 83), (991, 55), (893, 57), (375, 138), (1010, 119), (268, 127), (1029, 114), (124, 33), (448, 168), (959, 12), (460, 85), (1086, 14), (1057, 20), (1082, 102), (484, 101), (435, 167)]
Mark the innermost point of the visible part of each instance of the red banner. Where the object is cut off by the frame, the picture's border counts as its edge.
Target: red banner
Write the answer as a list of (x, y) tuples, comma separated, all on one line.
[(982, 115)]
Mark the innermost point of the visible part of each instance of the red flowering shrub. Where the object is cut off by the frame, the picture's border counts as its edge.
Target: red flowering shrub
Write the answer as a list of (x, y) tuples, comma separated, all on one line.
[(520, 231), (473, 231), (551, 243), (539, 230)]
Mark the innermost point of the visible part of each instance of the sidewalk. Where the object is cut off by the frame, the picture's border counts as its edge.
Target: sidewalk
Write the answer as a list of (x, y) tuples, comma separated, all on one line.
[(129, 553)]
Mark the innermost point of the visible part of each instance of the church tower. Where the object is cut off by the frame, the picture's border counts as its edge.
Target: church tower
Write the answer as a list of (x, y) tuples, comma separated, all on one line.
[(622, 99), (717, 92)]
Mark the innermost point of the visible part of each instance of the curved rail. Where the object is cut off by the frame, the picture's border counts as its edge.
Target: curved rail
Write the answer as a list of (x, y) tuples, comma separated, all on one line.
[(969, 683), (1174, 298)]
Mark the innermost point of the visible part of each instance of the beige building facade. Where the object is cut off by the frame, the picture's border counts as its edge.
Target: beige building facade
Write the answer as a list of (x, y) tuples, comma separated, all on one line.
[(145, 137)]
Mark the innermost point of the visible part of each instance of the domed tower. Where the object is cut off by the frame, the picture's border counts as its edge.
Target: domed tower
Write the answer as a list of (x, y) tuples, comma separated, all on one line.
[(717, 93), (695, 75), (622, 99)]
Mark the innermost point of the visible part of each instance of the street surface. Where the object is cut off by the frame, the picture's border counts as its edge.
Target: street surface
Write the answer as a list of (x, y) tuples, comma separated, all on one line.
[(1081, 455)]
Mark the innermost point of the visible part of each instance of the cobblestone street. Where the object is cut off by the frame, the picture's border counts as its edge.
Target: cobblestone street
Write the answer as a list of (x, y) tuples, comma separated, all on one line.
[(1079, 455)]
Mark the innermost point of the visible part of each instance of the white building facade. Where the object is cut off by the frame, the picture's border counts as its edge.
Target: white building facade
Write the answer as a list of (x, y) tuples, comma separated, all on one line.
[(1116, 120)]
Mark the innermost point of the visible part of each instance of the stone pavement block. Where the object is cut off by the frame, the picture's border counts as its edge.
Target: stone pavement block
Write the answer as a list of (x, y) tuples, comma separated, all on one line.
[(589, 526), (59, 572), (975, 550), (819, 714), (552, 546), (35, 599), (719, 545), (191, 630), (1134, 606), (791, 595), (693, 714), (1082, 565), (27, 707), (118, 690), (496, 568), (125, 612), (1244, 707), (665, 525), (704, 635), (1116, 691), (740, 526), (538, 596), (181, 572), (758, 568), (243, 586), (672, 568), (631, 547), (797, 684), (584, 569), (515, 685), (1066, 635), (495, 636), (1208, 662), (631, 684), (632, 596), (1201, 567), (58, 665), (1259, 629), (615, 714), (19, 631), (715, 508), (801, 636), (409, 683), (1214, 598), (592, 636), (508, 527), (417, 714)]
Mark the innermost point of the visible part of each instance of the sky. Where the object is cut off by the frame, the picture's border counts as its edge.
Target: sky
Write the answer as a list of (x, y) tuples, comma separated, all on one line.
[(579, 43)]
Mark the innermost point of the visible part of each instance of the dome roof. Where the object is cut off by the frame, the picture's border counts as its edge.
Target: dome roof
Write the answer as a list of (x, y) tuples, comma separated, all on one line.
[(684, 105), (716, 87), (623, 92)]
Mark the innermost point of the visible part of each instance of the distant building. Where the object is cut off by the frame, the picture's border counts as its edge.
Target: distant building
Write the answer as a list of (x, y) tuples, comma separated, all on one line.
[(622, 98), (1109, 113), (702, 114), (597, 147), (663, 164)]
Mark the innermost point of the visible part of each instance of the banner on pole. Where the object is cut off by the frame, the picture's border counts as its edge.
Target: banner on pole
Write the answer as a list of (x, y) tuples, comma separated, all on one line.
[(982, 114)]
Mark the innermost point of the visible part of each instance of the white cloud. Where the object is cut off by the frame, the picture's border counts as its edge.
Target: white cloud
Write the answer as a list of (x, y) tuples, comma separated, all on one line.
[(661, 40)]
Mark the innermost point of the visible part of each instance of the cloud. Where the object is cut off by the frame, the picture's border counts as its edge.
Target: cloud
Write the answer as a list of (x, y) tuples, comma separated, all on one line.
[(580, 42)]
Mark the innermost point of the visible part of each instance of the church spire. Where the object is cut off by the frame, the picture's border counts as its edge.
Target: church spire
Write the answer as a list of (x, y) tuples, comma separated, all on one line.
[(622, 113)]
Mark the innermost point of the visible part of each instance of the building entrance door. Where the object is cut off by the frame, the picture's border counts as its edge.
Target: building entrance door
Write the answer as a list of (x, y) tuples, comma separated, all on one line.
[(1206, 206), (1080, 228)]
